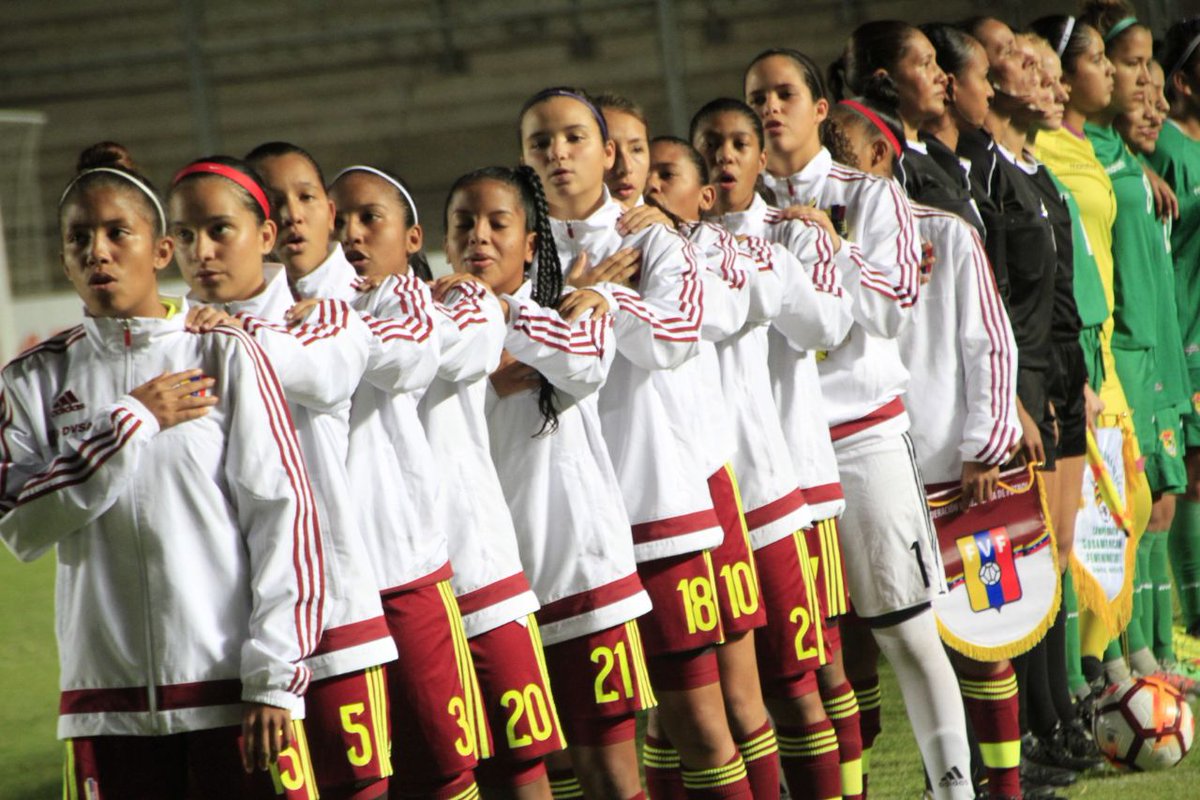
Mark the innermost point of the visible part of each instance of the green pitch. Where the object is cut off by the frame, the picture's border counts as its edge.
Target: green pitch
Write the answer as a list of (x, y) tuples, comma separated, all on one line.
[(30, 757)]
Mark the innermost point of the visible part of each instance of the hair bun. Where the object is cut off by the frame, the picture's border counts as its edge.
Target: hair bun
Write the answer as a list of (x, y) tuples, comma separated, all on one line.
[(105, 154), (1104, 14), (880, 90)]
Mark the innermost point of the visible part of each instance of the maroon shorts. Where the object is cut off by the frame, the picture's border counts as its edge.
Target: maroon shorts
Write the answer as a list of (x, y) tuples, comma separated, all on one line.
[(516, 692), (349, 731), (438, 728), (197, 764), (685, 615), (678, 672), (824, 544), (600, 681), (738, 591), (792, 646)]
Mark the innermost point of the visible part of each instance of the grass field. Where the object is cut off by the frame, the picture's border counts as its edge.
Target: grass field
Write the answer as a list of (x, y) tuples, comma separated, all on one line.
[(30, 757)]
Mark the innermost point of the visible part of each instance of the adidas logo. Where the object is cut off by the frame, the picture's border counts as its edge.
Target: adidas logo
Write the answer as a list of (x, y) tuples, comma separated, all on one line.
[(66, 403), (952, 778)]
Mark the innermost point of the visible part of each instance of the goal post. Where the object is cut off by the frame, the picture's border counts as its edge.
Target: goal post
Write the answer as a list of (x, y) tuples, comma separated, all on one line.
[(23, 247)]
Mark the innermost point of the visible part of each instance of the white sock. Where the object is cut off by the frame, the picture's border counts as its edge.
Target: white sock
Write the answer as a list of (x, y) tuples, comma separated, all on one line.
[(935, 706), (1143, 662), (1117, 671)]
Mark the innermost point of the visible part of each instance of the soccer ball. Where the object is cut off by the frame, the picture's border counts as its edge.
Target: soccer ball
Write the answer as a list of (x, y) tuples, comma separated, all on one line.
[(1143, 725)]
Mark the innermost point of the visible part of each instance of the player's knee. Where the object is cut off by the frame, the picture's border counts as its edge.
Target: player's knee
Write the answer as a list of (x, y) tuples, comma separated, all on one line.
[(831, 676), (500, 776), (978, 670), (798, 711)]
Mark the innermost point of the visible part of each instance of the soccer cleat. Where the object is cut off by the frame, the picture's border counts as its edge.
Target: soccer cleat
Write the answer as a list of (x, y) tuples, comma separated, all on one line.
[(1078, 741), (1071, 748), (1038, 766)]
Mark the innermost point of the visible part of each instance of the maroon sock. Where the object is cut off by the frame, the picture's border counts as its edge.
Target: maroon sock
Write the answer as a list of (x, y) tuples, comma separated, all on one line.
[(870, 721), (726, 782), (564, 785), (993, 707), (760, 751), (809, 757), (663, 778), (841, 706)]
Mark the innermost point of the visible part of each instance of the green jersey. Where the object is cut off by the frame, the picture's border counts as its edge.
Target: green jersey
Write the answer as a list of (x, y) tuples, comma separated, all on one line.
[(1137, 243), (1172, 366), (1177, 160), (1089, 291)]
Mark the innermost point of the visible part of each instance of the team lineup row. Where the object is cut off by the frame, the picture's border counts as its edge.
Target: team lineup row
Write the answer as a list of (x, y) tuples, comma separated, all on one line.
[(662, 440)]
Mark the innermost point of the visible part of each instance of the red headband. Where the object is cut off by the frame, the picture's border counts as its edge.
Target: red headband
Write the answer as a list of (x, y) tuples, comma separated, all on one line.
[(875, 120), (238, 177)]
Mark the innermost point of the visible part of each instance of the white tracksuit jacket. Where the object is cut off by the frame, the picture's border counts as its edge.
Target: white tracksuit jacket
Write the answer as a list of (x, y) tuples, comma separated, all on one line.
[(815, 314), (319, 364), (648, 404), (961, 354), (724, 273), (488, 580), (189, 559), (560, 486), (773, 502), (863, 380), (391, 465)]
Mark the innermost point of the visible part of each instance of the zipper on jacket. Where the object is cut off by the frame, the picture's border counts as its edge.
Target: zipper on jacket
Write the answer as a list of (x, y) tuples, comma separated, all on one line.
[(570, 230), (147, 627)]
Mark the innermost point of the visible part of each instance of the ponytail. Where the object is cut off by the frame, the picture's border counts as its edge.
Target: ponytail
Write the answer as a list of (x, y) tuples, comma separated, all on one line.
[(865, 67), (548, 283), (548, 280)]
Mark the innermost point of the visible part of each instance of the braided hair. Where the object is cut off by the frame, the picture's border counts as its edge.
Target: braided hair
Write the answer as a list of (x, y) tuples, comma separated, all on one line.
[(547, 268)]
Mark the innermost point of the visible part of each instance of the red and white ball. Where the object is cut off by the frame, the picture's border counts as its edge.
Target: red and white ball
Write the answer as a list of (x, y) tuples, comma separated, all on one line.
[(1143, 725)]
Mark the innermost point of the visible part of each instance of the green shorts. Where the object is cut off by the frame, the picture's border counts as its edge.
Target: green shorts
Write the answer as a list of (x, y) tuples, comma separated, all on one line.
[(1093, 357), (1165, 468), (1135, 368), (1191, 420)]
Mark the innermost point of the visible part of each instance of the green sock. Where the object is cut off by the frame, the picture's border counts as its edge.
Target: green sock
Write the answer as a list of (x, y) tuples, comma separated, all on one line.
[(1076, 682), (1164, 606), (1135, 633), (1185, 559), (1146, 576)]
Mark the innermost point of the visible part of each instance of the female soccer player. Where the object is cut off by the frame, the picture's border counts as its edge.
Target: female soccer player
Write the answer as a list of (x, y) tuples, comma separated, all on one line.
[(960, 320), (776, 513), (435, 715), (1144, 358), (163, 468), (494, 597), (1177, 159), (1139, 129), (786, 91), (556, 475), (647, 408), (739, 594), (220, 219), (1088, 74)]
